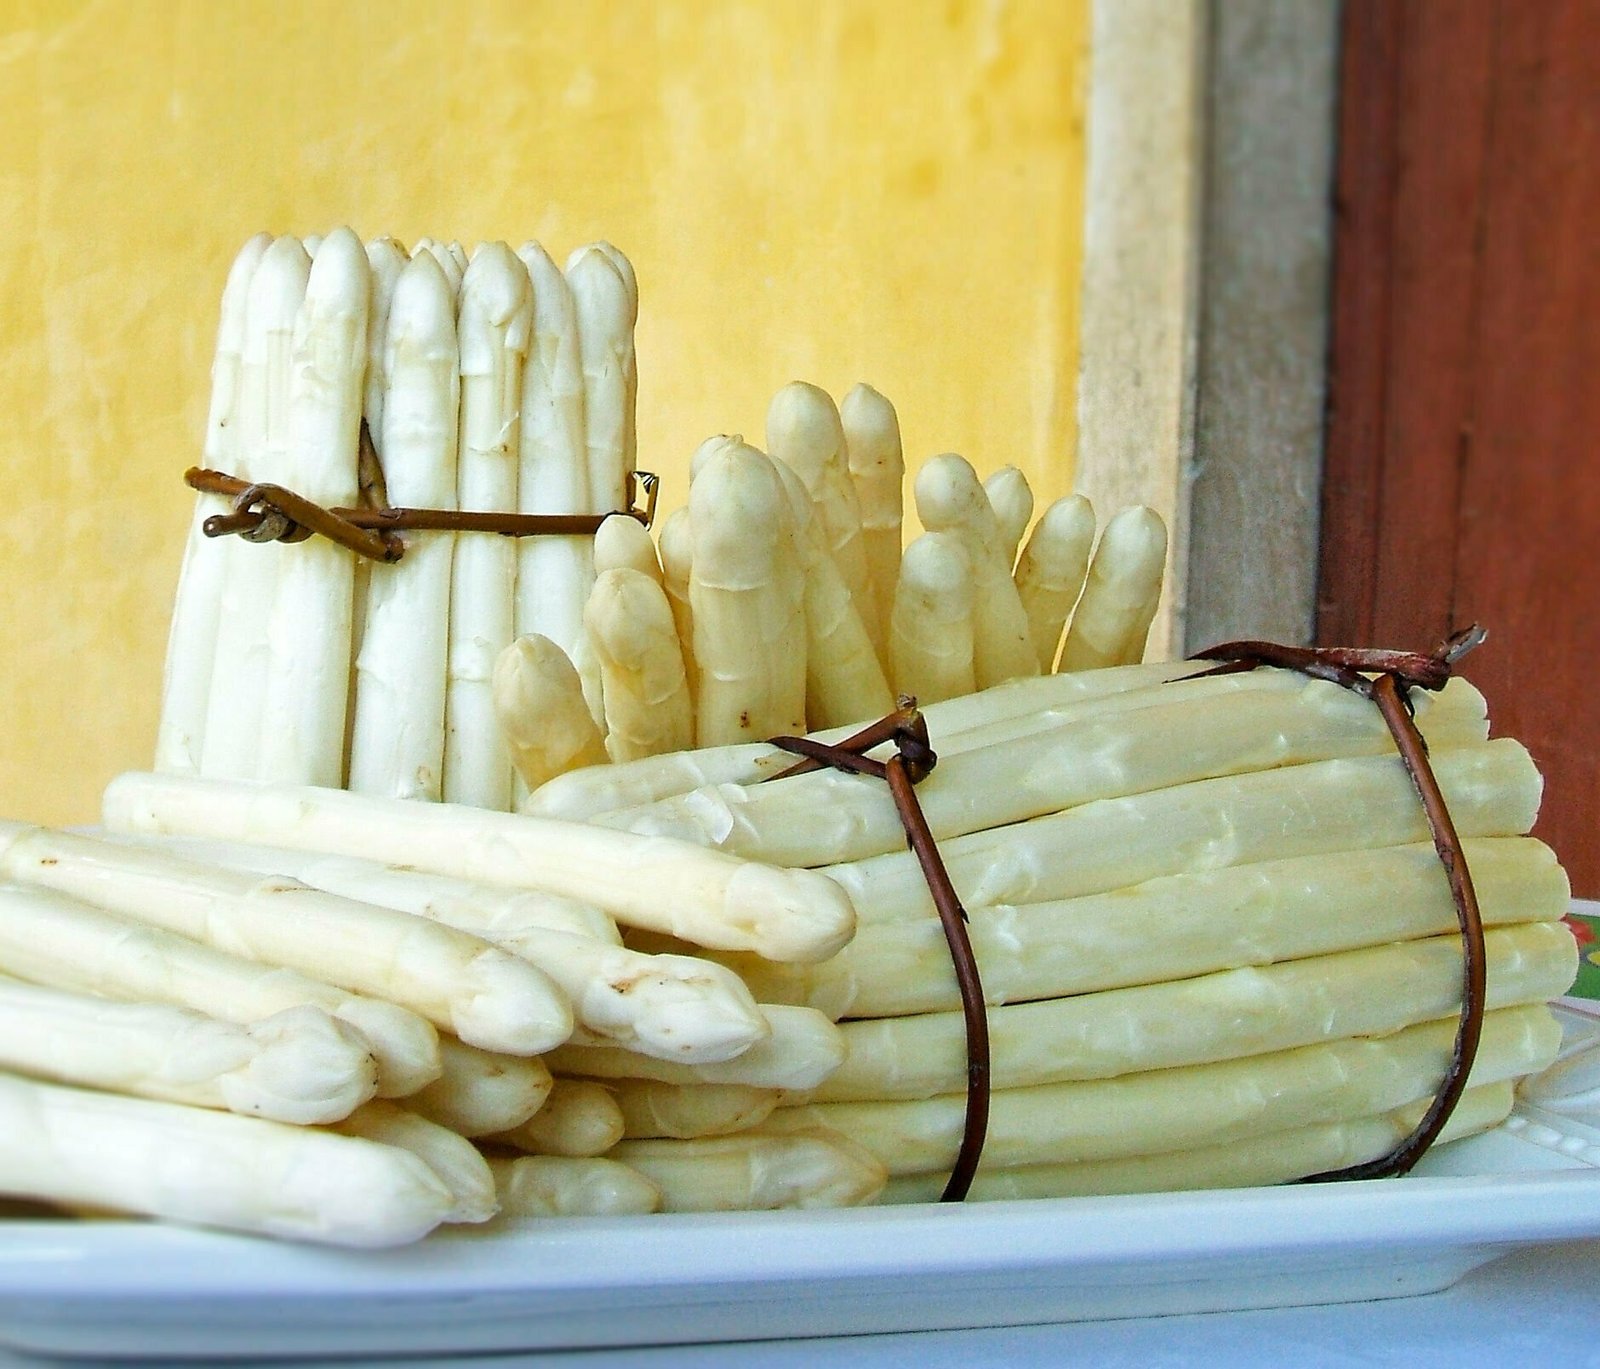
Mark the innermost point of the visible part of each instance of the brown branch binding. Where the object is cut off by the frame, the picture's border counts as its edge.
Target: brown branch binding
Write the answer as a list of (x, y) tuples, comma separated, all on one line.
[(912, 762), (1385, 677), (271, 513)]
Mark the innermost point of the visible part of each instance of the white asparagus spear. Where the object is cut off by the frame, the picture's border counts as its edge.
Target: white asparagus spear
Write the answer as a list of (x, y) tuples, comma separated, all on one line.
[(753, 1173), (579, 1118), (623, 542), (50, 939), (454, 1160), (1346, 804), (479, 1092), (932, 628), (184, 1164), (237, 700), (452, 267), (1051, 571), (878, 469), (702, 896), (1012, 501), (387, 260), (801, 1050), (844, 676), (1189, 1106), (493, 330), (297, 1066), (1225, 725), (630, 368), (950, 498), (559, 1186), (631, 632), (542, 714), (1219, 1016), (805, 433), (310, 643), (604, 311), (1253, 1162), (676, 540), (1171, 928), (553, 573), (1119, 598), (747, 601), (397, 743), (458, 254), (652, 1110), (496, 914), (582, 794), (313, 244), (455, 980), (192, 639)]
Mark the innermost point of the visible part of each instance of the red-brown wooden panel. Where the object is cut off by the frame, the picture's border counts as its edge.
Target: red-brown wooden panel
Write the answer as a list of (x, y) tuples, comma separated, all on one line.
[(1463, 480)]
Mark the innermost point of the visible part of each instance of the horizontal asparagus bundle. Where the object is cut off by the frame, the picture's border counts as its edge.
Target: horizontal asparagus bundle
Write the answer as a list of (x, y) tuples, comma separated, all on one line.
[(1207, 913)]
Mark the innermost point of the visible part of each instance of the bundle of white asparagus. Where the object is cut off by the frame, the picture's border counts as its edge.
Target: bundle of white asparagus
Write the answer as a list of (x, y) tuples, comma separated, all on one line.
[(779, 598), (1216, 942), (498, 384)]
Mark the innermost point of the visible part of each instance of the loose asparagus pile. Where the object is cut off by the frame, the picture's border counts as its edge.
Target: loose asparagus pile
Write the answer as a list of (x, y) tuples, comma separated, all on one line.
[(496, 384), (304, 1043)]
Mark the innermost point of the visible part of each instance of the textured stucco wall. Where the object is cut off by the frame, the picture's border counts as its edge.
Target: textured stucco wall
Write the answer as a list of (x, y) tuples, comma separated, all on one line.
[(887, 190)]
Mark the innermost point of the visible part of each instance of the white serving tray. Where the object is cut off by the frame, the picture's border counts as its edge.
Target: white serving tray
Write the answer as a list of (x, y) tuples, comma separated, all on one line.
[(133, 1289)]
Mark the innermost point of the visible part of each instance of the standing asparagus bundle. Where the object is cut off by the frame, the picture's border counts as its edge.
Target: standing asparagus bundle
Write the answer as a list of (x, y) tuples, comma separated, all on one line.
[(397, 741), (746, 598), (308, 665), (877, 468), (192, 641), (494, 326), (237, 700)]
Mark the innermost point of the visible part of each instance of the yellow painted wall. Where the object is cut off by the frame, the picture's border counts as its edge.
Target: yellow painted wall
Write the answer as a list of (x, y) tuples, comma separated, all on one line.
[(885, 190)]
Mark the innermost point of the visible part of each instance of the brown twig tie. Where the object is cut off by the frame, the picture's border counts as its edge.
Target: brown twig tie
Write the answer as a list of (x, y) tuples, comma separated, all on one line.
[(271, 513), (1385, 677), (912, 761)]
